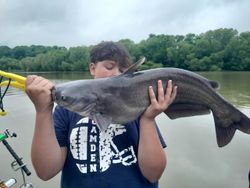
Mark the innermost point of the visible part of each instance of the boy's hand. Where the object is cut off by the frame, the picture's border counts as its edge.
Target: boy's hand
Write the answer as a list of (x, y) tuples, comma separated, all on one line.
[(161, 103), (39, 91)]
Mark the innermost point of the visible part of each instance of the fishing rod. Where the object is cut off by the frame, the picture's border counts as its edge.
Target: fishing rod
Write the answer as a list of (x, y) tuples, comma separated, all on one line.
[(9, 79), (17, 164)]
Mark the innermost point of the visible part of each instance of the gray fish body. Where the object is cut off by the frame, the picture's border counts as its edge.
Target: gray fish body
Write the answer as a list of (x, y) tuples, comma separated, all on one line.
[(123, 98)]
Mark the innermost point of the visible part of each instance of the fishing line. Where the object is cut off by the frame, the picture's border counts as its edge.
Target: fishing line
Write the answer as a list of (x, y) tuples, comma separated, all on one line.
[(3, 94)]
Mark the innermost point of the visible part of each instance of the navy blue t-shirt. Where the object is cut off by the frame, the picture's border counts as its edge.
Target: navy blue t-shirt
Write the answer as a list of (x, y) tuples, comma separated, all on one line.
[(98, 159), (249, 178)]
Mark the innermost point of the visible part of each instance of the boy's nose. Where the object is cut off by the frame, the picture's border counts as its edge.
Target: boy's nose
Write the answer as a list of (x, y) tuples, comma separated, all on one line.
[(116, 72)]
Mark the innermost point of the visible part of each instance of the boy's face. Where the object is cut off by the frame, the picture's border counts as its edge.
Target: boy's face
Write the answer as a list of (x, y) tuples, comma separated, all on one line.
[(106, 68)]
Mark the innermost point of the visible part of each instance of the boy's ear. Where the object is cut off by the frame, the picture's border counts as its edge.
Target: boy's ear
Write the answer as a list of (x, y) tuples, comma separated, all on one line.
[(92, 68)]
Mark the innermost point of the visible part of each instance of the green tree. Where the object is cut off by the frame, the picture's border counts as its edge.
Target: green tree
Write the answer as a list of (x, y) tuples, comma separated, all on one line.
[(155, 48), (5, 51), (214, 50), (79, 58), (237, 53), (9, 64)]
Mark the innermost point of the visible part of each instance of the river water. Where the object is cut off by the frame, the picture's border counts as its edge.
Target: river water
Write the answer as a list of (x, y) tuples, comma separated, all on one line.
[(194, 159)]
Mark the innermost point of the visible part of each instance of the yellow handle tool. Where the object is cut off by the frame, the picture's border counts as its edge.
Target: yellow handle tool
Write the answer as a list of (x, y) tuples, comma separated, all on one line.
[(17, 81), (3, 113)]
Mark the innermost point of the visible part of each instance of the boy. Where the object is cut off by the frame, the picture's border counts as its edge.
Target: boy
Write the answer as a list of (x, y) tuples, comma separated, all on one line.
[(130, 155)]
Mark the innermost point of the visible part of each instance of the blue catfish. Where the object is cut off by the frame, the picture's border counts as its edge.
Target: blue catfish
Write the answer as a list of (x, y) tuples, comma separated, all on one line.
[(121, 99)]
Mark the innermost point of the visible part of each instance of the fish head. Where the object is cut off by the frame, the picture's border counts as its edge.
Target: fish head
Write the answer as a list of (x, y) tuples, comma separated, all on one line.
[(75, 98)]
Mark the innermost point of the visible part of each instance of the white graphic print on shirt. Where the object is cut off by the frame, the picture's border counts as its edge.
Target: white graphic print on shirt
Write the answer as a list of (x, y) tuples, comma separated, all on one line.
[(84, 143)]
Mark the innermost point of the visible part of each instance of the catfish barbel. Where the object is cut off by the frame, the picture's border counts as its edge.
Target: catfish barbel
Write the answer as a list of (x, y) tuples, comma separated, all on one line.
[(122, 99)]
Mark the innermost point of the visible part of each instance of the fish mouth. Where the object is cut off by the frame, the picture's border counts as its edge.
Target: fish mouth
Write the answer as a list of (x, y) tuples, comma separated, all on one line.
[(75, 105), (78, 105), (61, 99)]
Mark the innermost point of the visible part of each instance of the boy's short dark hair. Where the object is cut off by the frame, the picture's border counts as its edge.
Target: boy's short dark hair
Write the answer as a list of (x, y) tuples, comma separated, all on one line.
[(113, 51)]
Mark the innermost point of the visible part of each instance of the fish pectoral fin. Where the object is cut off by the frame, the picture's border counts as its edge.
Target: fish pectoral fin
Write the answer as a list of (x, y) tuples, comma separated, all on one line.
[(102, 121), (186, 110)]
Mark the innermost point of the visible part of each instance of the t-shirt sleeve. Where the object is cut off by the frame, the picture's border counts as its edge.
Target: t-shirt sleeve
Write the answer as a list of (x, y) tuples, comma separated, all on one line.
[(60, 118)]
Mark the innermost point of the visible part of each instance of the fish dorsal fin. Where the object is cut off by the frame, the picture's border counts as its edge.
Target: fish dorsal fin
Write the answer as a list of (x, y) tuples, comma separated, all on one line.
[(135, 66), (214, 84), (102, 121)]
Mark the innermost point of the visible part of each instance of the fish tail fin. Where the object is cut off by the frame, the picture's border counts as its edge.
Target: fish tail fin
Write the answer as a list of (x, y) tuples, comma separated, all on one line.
[(244, 124), (224, 134)]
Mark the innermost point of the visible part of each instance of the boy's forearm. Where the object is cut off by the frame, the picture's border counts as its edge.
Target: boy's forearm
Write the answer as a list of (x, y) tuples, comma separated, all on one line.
[(47, 156), (151, 155)]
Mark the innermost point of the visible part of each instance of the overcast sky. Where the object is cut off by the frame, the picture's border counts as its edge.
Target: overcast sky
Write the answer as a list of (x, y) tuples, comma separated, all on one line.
[(82, 22)]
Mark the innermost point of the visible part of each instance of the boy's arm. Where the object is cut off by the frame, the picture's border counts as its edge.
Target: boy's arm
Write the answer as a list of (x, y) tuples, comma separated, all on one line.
[(47, 156), (151, 155)]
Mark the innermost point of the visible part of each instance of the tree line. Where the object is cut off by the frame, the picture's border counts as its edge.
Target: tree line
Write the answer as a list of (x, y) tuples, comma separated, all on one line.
[(215, 50)]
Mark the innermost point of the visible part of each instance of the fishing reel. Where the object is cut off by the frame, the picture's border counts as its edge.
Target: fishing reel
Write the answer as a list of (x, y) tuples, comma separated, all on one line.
[(8, 183)]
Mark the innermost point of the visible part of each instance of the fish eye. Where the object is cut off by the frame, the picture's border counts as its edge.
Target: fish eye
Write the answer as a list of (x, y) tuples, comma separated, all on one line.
[(63, 97)]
